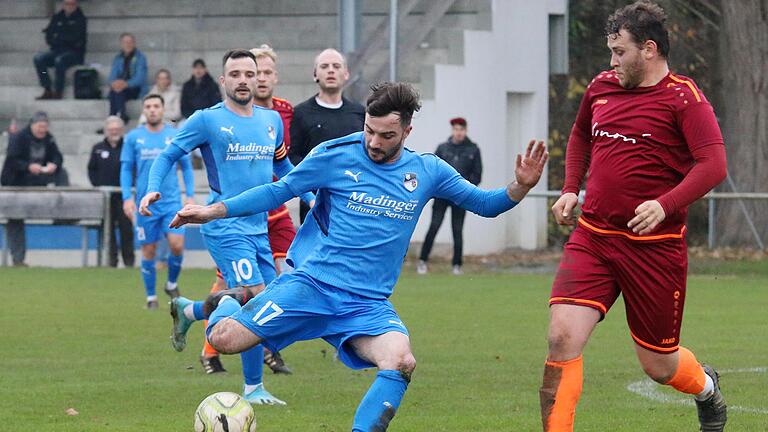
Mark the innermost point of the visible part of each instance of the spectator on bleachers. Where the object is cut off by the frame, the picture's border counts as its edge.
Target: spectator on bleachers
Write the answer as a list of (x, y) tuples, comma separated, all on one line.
[(104, 170), (128, 77), (200, 91), (65, 36), (170, 92), (33, 159)]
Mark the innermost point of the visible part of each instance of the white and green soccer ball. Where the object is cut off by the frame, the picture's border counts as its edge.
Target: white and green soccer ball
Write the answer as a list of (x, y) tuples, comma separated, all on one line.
[(225, 412)]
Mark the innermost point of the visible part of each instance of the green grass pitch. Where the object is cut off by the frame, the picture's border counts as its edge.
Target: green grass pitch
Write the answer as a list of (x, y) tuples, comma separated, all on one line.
[(81, 339)]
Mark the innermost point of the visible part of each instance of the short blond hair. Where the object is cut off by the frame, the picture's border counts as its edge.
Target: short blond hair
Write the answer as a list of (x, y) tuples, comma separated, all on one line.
[(264, 51)]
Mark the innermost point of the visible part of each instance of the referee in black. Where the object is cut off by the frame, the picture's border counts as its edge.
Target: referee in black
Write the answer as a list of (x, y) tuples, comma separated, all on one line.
[(326, 115), (104, 170)]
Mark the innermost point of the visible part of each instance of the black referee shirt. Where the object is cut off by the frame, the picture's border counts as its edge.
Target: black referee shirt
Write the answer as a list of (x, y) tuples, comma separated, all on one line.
[(313, 124)]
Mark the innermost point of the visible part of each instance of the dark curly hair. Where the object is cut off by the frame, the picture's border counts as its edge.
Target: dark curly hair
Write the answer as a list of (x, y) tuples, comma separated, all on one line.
[(643, 20), (399, 97)]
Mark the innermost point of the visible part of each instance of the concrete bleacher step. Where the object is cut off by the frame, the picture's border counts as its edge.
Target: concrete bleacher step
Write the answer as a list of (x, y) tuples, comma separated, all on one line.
[(181, 57), (311, 32), (25, 75), (177, 8)]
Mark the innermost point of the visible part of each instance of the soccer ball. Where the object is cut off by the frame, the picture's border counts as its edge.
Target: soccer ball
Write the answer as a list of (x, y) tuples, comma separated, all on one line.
[(225, 412)]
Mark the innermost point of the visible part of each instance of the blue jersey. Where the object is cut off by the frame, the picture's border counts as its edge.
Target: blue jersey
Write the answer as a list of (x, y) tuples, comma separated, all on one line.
[(140, 149), (239, 153), (357, 234)]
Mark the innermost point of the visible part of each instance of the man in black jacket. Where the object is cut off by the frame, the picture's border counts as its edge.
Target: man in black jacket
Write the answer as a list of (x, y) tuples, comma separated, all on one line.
[(104, 170), (33, 159), (66, 37), (200, 91), (327, 115), (464, 156)]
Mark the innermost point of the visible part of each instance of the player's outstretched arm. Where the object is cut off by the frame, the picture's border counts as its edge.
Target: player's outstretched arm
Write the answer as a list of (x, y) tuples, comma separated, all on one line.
[(491, 203), (253, 201), (282, 168)]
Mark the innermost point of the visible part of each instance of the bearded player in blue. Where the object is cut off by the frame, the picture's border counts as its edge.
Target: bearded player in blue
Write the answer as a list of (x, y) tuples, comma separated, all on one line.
[(242, 145), (349, 252), (142, 146)]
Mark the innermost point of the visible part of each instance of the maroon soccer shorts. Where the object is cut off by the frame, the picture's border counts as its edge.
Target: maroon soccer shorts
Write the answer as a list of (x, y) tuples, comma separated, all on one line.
[(281, 233), (651, 275)]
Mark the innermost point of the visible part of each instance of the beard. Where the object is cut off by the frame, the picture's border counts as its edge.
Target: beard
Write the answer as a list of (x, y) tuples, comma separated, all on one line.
[(384, 157), (240, 100), (633, 75), (263, 96), (154, 122)]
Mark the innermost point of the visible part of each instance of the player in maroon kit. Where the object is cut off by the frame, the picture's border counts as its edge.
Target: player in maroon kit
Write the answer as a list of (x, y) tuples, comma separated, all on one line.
[(280, 227), (652, 146)]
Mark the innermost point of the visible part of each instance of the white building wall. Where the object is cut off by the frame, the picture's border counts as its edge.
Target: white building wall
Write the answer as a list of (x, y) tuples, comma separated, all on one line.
[(502, 90)]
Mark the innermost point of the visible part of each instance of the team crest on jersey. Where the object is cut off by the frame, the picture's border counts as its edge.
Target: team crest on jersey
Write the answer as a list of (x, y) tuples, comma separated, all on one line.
[(271, 132), (168, 140), (410, 182)]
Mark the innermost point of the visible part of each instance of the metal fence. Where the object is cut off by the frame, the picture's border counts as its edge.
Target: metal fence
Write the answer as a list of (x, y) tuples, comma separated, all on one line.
[(102, 220), (711, 200)]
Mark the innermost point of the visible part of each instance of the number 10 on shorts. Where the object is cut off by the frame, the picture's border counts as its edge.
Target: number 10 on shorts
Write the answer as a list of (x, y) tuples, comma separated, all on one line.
[(243, 269), (276, 310)]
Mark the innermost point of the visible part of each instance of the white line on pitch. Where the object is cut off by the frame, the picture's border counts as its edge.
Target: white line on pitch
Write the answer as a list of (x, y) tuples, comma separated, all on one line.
[(650, 390)]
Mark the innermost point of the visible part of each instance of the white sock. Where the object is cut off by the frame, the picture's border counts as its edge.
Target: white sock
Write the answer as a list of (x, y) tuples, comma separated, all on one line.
[(250, 387), (189, 311), (709, 387), (171, 285), (151, 298)]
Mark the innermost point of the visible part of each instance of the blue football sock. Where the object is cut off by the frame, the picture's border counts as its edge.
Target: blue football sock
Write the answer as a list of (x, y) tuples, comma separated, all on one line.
[(149, 274), (197, 310), (253, 364), (380, 403), (174, 267), (227, 306)]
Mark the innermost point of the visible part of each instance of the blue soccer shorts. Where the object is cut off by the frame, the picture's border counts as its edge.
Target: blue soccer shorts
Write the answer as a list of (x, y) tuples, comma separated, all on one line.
[(150, 229), (296, 307), (243, 260)]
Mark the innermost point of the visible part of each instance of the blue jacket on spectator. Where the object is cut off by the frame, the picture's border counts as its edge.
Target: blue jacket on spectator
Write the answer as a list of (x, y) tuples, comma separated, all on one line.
[(138, 75)]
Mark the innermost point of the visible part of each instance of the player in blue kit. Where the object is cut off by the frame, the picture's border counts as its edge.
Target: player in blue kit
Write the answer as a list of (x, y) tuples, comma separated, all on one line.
[(242, 146), (348, 254), (141, 148)]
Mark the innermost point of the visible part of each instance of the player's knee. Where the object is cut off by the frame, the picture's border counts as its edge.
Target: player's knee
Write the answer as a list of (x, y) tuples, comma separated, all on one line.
[(407, 365), (559, 341), (658, 372), (221, 339)]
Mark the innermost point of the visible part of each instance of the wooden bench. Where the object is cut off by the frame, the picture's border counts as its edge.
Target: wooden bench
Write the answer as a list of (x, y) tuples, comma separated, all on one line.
[(88, 208)]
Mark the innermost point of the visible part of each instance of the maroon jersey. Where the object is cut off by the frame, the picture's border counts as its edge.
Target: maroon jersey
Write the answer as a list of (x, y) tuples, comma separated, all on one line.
[(639, 145)]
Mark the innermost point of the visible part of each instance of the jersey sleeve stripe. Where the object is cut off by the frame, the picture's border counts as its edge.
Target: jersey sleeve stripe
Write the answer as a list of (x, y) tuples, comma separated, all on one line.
[(689, 84)]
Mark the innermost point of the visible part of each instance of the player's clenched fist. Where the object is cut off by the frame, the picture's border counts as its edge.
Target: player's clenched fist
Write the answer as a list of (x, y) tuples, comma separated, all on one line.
[(564, 208), (148, 199)]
